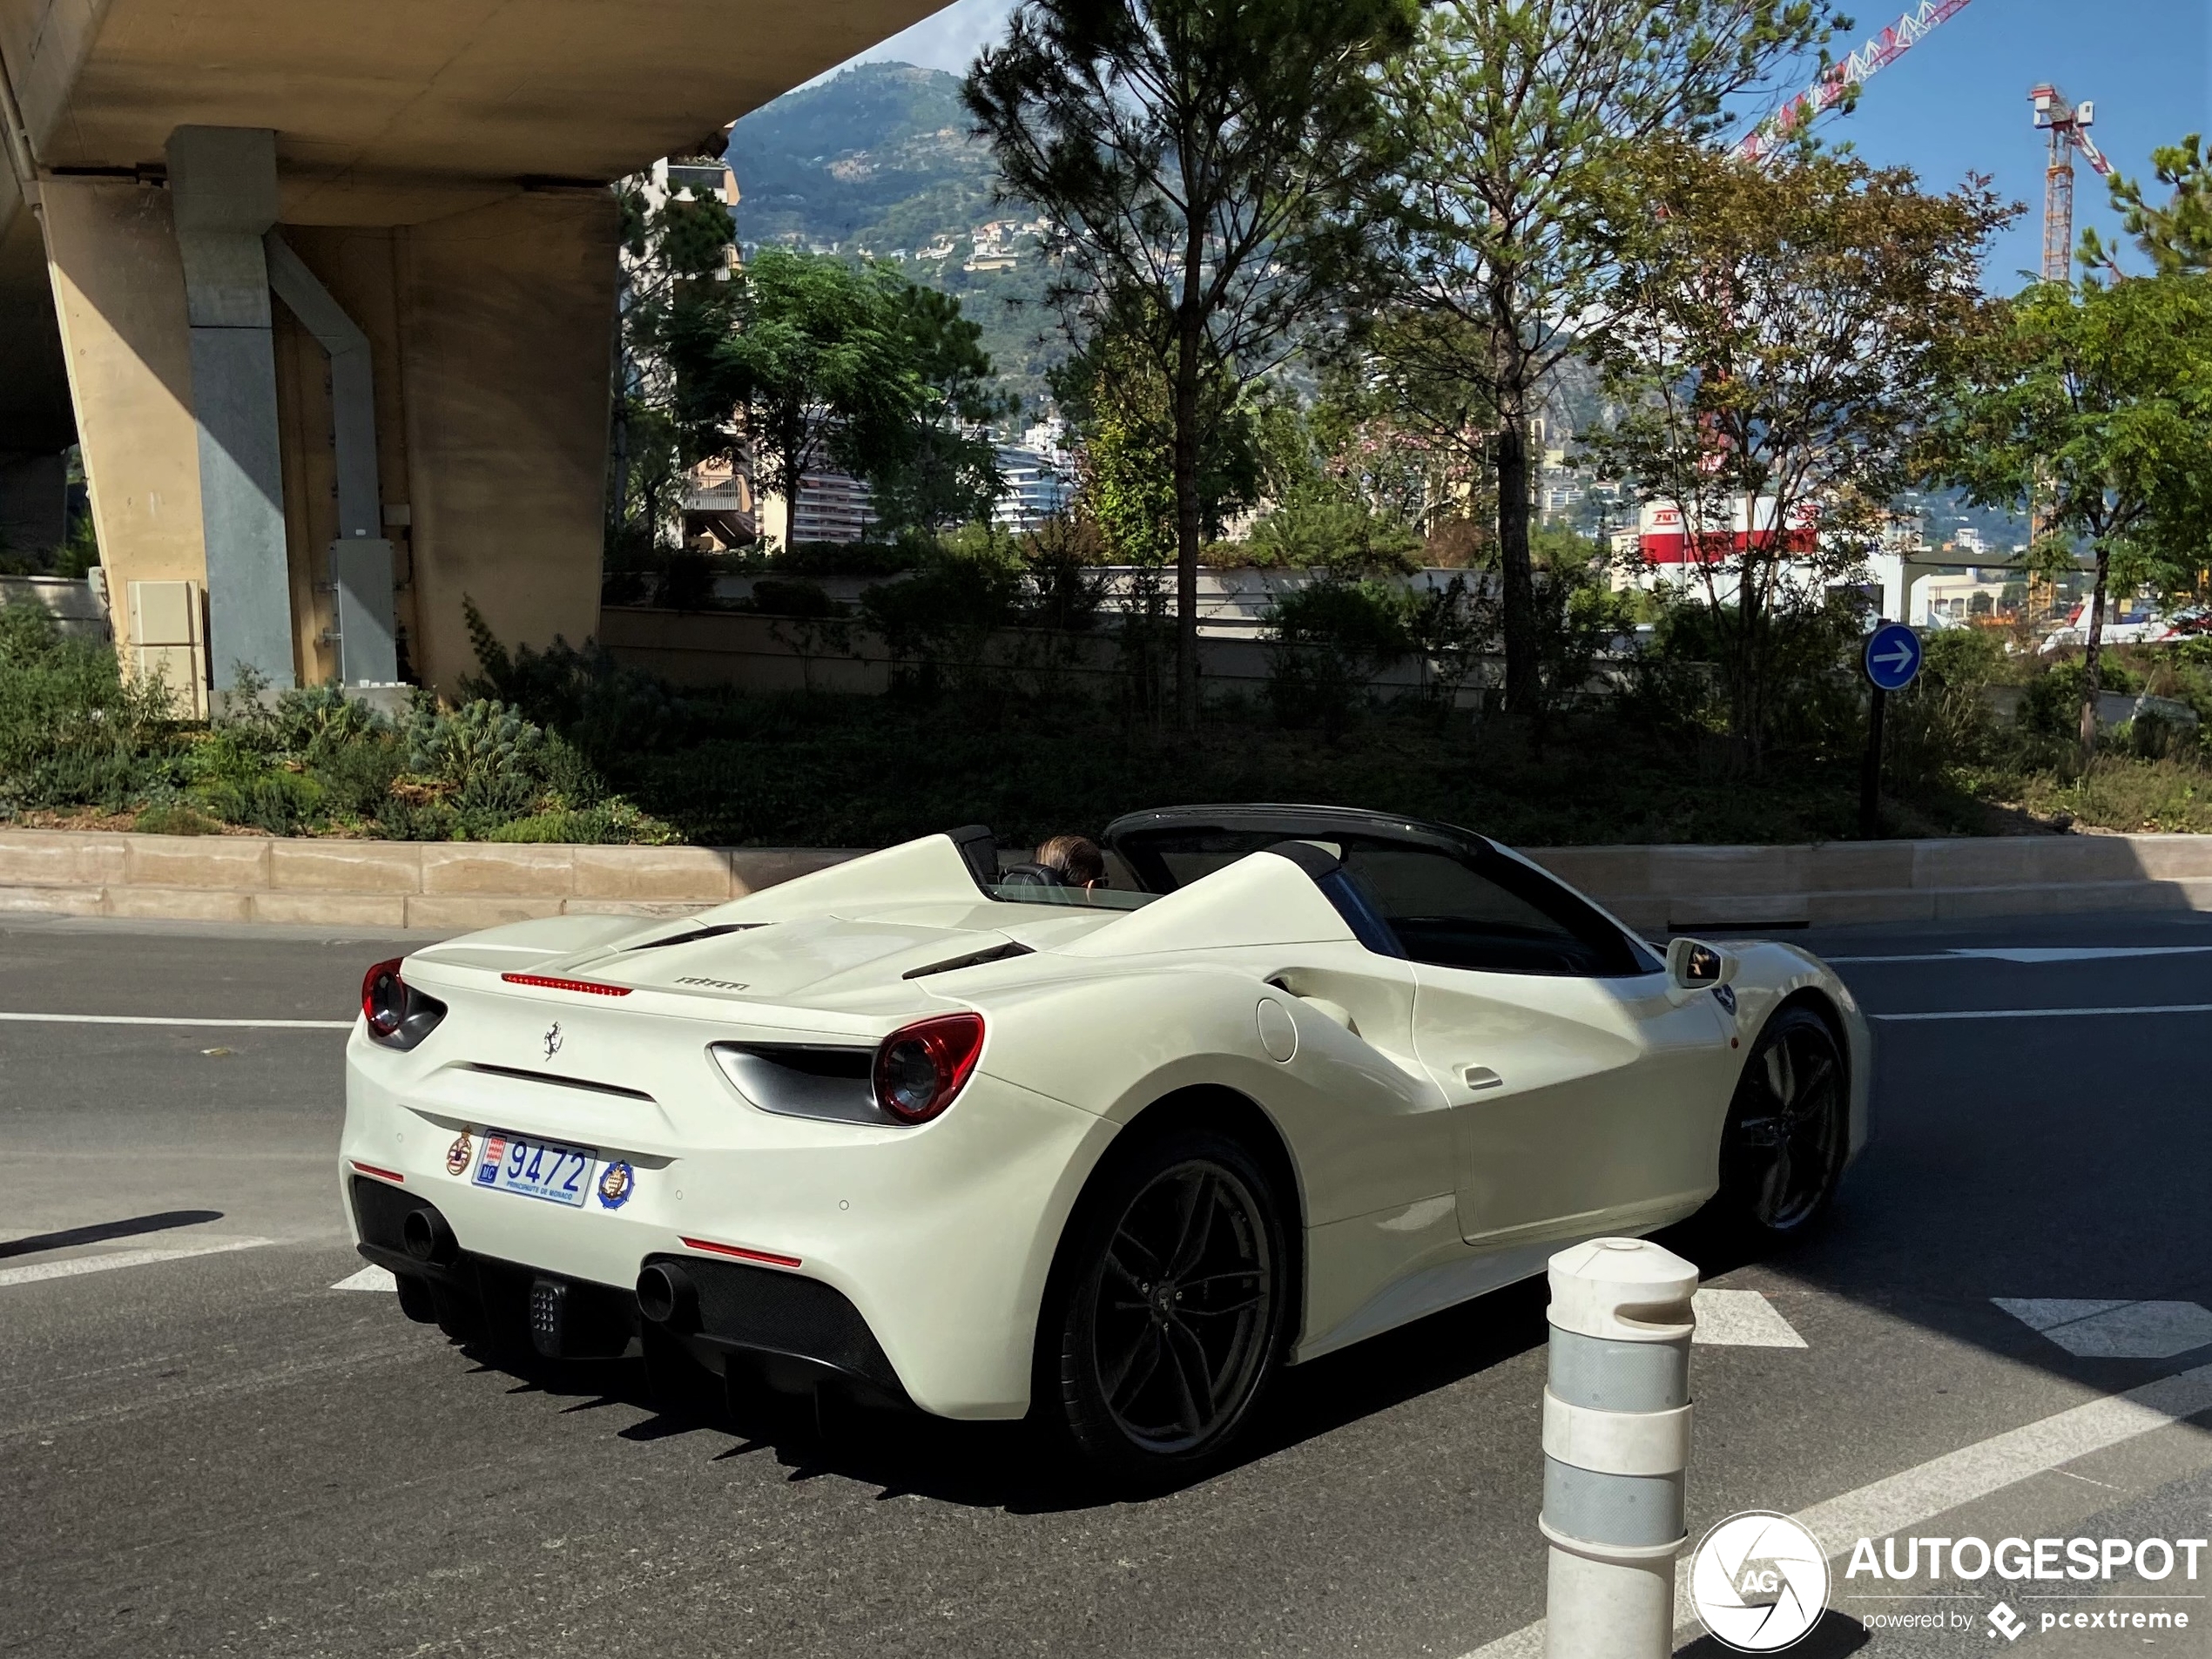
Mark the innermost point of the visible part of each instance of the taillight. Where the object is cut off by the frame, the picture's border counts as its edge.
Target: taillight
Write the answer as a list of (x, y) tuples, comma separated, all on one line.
[(921, 1067), (397, 1014)]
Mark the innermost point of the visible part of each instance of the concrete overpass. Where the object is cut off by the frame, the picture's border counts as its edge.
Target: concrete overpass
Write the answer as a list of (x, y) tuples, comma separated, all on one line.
[(326, 293)]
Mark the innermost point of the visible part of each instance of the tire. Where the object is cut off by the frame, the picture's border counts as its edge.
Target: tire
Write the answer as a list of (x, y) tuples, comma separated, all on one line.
[(1783, 1147), (1168, 1317)]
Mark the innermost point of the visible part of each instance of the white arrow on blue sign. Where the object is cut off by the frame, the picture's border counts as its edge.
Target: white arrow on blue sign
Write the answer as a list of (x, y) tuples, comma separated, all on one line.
[(1892, 657)]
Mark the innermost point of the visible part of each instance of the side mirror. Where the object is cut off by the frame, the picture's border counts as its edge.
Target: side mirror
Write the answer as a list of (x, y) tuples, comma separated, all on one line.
[(1695, 966)]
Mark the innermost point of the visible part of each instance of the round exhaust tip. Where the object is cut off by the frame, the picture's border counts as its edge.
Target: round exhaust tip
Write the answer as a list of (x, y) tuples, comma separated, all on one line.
[(426, 1238), (665, 1294)]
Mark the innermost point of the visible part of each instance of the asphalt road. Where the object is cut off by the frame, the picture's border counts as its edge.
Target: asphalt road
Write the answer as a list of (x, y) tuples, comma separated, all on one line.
[(206, 1449)]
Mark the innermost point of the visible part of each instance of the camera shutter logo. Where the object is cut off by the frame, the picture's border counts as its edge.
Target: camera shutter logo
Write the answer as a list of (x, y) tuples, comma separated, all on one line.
[(1759, 1582)]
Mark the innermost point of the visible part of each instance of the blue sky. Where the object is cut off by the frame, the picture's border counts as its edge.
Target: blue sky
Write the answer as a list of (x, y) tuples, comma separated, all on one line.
[(1956, 103)]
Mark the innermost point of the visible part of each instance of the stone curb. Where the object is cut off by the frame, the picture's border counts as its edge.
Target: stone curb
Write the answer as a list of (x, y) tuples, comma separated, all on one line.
[(455, 886)]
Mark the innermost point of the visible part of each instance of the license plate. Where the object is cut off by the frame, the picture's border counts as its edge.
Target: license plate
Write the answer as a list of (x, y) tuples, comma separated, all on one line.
[(535, 1169)]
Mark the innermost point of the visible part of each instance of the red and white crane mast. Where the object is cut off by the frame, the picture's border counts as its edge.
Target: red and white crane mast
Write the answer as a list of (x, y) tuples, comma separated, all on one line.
[(2068, 124), (1840, 80)]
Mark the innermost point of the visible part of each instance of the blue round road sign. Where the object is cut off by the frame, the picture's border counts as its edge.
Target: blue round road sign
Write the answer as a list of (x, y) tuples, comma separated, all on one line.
[(1892, 657)]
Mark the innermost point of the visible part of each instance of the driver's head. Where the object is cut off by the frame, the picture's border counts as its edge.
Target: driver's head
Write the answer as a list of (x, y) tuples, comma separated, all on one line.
[(1074, 859)]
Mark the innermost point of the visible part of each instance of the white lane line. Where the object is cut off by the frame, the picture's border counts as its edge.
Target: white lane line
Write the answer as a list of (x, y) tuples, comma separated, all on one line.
[(1921, 1493), (2033, 956), (1740, 1319), (78, 1265), (153, 1019), (2114, 1330), (369, 1278), (2049, 1013)]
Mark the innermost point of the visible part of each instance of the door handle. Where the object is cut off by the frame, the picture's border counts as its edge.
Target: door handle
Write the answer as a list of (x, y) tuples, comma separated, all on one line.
[(1481, 1077)]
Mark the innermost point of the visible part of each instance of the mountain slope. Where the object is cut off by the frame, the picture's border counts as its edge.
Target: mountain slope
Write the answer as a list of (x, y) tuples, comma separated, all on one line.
[(878, 157), (878, 162)]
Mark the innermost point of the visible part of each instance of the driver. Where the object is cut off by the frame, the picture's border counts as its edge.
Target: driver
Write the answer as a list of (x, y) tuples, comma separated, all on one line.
[(1075, 860)]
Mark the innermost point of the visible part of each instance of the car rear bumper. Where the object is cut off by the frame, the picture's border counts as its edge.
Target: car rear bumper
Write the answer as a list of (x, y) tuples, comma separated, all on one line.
[(913, 1260)]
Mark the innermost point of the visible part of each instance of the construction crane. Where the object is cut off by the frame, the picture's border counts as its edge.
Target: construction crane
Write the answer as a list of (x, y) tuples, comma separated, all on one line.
[(2068, 126), (1841, 80)]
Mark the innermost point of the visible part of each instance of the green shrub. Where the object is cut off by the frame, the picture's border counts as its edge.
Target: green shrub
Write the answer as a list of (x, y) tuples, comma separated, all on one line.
[(1330, 640), (1342, 538), (175, 818), (72, 731)]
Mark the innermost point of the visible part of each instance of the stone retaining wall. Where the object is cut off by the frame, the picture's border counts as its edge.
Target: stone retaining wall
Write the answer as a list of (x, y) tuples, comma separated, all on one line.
[(456, 885)]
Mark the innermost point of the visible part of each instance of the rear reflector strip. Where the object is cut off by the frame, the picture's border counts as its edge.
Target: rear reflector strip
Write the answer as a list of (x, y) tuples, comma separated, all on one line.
[(381, 1175), (769, 1257), (552, 984)]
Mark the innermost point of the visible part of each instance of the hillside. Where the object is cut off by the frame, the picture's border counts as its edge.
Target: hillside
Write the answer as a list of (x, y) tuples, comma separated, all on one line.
[(878, 162)]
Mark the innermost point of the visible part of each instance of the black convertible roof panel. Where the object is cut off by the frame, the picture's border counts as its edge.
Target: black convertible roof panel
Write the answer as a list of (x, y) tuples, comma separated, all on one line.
[(1292, 821)]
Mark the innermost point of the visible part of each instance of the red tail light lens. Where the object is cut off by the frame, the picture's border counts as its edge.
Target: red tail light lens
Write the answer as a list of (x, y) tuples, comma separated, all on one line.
[(397, 1014), (920, 1067), (384, 998)]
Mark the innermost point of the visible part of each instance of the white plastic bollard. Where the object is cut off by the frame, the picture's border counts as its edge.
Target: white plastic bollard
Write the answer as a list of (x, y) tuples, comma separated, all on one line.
[(1616, 1444)]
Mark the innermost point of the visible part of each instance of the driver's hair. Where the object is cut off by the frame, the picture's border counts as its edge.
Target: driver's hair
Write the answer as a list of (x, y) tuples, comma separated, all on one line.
[(1074, 859)]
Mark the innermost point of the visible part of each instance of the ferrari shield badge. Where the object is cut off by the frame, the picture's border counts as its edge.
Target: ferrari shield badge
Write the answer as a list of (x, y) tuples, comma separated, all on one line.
[(458, 1154), (616, 1185)]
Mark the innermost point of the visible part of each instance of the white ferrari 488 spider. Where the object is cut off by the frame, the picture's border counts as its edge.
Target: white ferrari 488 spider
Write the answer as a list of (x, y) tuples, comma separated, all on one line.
[(962, 1137)]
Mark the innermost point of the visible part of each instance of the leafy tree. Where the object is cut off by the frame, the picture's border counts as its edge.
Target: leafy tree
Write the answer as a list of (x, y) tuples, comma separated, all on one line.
[(939, 467), (1512, 121), (2178, 236), (675, 302), (1779, 333), (2098, 399), (823, 362), (1195, 154)]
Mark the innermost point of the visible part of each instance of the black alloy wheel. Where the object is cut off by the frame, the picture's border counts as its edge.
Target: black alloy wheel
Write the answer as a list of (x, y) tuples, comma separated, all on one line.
[(1173, 1313), (1783, 1150)]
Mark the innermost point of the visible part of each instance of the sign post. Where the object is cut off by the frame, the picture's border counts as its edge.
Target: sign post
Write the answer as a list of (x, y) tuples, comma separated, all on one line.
[(1891, 660)]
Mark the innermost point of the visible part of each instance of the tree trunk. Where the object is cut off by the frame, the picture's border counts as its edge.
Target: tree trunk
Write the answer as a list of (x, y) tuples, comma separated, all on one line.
[(2089, 656), (1517, 584), (793, 481), (1186, 516)]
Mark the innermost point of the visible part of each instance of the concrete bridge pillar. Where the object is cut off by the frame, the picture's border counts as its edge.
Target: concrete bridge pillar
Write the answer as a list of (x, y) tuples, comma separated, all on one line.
[(223, 199), (209, 415)]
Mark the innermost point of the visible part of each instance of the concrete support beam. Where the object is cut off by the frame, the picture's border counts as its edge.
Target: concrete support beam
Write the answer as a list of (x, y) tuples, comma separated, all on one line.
[(223, 191), (507, 316), (119, 286), (361, 559)]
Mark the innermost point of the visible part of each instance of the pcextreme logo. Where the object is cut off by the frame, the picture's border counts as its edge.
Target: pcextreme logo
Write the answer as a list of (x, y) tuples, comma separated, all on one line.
[(1759, 1582), (2152, 1563)]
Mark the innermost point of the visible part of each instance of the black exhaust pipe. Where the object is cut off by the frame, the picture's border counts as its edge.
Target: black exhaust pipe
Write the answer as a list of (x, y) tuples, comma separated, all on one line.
[(666, 1295), (427, 1238)]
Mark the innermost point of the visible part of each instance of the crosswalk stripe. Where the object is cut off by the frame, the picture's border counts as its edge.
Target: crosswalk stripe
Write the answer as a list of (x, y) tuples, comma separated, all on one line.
[(369, 1278), (35, 1270), (1740, 1319), (2050, 1014)]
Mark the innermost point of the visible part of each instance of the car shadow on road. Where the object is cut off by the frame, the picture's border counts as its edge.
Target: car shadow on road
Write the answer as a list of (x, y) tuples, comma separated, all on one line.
[(102, 1232), (1015, 1467)]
